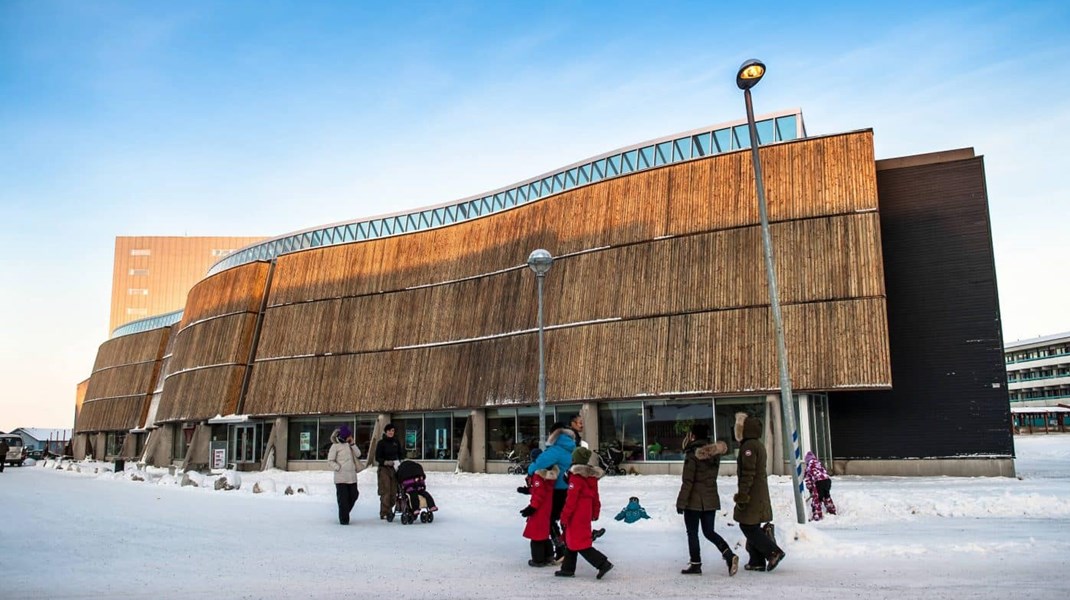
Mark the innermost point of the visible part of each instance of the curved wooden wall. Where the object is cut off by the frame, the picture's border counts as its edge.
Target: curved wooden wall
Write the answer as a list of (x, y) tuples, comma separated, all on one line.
[(124, 375), (212, 345), (659, 288)]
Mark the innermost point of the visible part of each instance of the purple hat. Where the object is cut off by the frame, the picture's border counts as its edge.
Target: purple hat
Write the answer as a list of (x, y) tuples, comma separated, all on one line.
[(344, 433)]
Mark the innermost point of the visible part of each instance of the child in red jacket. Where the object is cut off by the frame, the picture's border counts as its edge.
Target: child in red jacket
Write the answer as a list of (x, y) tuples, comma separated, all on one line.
[(581, 508), (537, 529)]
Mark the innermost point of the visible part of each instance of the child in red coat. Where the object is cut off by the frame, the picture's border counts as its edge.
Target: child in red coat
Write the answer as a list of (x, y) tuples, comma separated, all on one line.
[(537, 529), (581, 508)]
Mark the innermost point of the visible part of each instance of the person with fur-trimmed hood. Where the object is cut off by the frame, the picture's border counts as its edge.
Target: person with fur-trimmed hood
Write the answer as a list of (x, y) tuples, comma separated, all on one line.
[(752, 500), (699, 500), (538, 512), (582, 507), (819, 485), (559, 446), (344, 459)]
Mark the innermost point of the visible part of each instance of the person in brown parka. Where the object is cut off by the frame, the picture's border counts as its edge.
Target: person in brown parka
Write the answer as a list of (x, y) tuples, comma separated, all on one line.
[(699, 500), (752, 500)]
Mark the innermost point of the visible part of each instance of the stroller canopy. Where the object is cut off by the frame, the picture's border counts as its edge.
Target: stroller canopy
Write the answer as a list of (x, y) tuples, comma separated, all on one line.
[(409, 469)]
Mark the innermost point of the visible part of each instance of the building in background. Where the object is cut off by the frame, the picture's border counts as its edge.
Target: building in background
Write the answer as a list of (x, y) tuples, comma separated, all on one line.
[(153, 274), (1038, 375), (39, 440)]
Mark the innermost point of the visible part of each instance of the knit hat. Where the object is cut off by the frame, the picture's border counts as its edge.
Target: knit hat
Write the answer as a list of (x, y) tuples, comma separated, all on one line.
[(581, 456), (344, 433)]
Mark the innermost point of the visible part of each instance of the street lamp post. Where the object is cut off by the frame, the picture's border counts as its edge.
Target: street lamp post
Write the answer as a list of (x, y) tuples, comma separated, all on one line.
[(540, 261), (749, 74)]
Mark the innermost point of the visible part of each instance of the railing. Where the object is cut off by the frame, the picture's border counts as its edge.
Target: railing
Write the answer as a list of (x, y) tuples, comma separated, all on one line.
[(148, 323)]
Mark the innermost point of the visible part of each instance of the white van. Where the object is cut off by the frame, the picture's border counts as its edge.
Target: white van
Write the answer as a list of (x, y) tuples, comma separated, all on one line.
[(16, 452)]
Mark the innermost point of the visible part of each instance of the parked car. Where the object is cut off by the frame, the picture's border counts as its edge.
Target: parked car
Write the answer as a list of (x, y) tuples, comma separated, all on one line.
[(36, 454), (16, 452)]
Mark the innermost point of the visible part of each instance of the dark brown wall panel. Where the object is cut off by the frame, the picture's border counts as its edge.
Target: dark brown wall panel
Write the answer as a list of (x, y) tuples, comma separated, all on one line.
[(949, 395), (111, 414), (222, 340), (125, 373), (235, 290)]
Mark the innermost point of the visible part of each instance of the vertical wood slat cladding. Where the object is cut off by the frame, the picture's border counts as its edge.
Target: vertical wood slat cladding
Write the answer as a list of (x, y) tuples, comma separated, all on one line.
[(125, 373), (699, 353), (818, 259), (810, 178), (829, 263), (223, 340), (213, 344), (201, 394), (112, 414), (950, 393), (239, 289)]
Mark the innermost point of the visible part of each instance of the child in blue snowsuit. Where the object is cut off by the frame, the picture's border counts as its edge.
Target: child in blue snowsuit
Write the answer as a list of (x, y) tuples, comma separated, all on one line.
[(633, 512)]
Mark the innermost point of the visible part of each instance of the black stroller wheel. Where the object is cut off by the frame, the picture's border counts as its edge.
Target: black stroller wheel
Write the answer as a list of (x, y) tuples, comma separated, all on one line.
[(430, 517), (390, 518), (423, 517)]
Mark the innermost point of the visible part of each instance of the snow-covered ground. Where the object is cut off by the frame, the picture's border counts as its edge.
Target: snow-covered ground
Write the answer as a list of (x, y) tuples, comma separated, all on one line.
[(86, 534)]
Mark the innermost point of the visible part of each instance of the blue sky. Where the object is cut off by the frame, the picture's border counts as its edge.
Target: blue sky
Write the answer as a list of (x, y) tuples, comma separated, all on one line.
[(260, 118)]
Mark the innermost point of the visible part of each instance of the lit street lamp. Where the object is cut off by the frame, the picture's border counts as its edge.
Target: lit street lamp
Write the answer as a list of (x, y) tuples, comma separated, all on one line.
[(749, 74), (540, 262)]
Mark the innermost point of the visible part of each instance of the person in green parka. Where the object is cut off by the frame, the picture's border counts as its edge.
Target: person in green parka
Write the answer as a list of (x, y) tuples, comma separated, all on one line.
[(752, 500)]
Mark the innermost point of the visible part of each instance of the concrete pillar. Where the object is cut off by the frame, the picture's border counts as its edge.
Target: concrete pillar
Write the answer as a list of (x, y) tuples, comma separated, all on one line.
[(589, 411), (78, 446), (199, 446), (774, 437), (129, 449), (100, 441), (464, 453), (275, 451), (479, 440), (159, 446)]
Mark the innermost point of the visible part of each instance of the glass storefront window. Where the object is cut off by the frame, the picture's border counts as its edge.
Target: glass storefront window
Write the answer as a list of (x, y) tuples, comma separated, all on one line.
[(437, 436), (501, 432), (725, 412), (183, 436), (667, 423), (302, 440), (620, 424), (410, 432), (114, 443)]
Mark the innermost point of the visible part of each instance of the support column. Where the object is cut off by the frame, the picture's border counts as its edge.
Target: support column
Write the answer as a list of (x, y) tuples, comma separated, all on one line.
[(774, 440), (589, 411), (197, 453), (479, 440)]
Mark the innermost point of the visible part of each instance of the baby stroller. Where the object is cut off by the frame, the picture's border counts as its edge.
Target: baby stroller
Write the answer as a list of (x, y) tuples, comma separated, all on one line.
[(413, 499), (610, 460)]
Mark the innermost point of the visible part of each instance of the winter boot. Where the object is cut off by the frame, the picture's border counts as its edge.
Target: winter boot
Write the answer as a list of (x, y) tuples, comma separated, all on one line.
[(606, 566), (732, 561), (693, 568), (753, 567), (597, 533), (774, 560), (563, 573)]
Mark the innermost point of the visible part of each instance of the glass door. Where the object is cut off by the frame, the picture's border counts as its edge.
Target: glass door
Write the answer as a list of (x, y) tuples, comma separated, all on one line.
[(244, 444)]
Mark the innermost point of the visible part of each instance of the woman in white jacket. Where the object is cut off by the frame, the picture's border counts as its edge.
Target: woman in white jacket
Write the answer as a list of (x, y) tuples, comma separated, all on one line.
[(344, 458)]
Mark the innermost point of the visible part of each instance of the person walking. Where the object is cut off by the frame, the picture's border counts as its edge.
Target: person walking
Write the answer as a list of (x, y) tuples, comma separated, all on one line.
[(699, 500), (819, 484), (344, 458), (3, 453), (582, 507), (752, 500), (388, 455), (537, 512), (559, 446)]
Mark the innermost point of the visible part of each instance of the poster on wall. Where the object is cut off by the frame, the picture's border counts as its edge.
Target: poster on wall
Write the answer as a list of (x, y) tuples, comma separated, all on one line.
[(306, 441), (219, 458)]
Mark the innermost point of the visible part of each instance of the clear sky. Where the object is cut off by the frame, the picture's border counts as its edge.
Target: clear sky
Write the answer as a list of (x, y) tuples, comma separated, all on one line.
[(260, 118)]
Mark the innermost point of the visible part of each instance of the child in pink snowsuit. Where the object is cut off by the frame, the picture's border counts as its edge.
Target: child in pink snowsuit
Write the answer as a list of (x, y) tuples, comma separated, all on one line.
[(818, 484)]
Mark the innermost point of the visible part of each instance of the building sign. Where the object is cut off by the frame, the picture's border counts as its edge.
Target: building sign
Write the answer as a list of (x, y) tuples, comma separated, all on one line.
[(219, 458)]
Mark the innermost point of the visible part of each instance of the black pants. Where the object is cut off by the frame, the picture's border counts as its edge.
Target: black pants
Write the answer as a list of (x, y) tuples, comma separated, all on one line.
[(596, 558), (347, 495), (542, 551), (760, 547), (692, 520), (824, 486), (556, 532)]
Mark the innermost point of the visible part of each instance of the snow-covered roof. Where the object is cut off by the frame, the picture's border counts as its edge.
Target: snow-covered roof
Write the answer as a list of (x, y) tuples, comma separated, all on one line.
[(43, 435), (1039, 409)]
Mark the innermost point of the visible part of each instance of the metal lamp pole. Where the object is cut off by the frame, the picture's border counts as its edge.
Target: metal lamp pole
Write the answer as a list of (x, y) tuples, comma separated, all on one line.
[(749, 74), (540, 261)]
